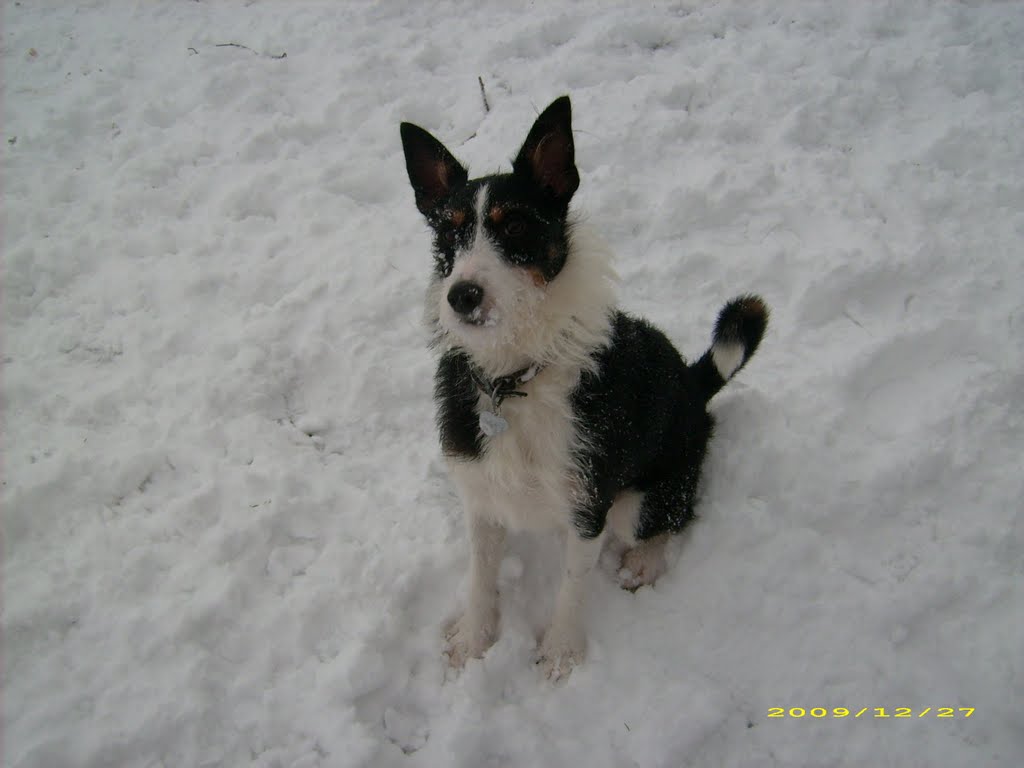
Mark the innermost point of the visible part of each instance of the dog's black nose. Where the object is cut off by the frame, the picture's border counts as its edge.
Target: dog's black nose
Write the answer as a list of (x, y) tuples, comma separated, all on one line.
[(465, 296)]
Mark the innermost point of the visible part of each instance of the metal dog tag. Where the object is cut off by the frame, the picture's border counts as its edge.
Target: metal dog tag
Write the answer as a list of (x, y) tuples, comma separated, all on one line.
[(492, 424)]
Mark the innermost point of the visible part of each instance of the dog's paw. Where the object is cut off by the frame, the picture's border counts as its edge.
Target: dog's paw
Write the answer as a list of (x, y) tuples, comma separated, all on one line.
[(558, 654), (641, 567), (467, 638)]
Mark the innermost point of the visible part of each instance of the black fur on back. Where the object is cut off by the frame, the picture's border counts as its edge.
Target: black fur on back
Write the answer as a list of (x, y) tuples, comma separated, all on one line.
[(647, 429)]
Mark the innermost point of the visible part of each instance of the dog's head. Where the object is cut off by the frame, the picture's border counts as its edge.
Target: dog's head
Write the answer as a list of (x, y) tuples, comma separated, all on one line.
[(499, 241)]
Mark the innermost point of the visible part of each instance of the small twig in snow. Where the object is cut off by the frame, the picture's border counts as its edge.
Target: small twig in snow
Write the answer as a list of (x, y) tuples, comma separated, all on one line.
[(193, 49), (852, 319), (483, 93), (246, 47)]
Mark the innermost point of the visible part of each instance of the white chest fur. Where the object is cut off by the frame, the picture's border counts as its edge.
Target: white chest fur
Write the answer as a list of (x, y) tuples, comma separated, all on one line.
[(526, 477)]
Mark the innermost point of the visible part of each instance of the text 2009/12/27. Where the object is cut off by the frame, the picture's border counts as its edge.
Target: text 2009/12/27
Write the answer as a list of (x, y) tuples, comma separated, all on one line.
[(874, 712)]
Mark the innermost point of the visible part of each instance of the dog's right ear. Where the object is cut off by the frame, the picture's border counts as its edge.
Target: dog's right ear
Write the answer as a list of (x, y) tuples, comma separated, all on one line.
[(433, 172)]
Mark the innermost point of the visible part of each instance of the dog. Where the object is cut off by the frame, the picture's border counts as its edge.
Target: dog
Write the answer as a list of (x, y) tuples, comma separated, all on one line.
[(555, 409)]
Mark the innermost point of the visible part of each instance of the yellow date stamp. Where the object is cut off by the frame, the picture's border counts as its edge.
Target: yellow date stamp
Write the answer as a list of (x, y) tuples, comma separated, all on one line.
[(877, 713)]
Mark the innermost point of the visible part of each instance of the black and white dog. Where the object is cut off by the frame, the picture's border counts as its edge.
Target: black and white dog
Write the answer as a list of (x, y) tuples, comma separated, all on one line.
[(555, 409)]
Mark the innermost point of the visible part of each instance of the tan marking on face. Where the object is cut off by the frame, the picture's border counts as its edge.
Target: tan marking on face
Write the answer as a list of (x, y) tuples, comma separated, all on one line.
[(538, 277), (496, 214), (458, 218)]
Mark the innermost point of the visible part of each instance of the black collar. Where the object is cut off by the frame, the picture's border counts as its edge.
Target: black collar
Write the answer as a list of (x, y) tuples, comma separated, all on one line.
[(503, 387)]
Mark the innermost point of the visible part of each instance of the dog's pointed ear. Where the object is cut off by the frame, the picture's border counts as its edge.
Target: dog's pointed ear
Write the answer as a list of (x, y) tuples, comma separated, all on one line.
[(548, 156), (433, 172)]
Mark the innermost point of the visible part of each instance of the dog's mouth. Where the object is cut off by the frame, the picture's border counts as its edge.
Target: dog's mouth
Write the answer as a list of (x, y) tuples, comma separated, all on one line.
[(480, 318)]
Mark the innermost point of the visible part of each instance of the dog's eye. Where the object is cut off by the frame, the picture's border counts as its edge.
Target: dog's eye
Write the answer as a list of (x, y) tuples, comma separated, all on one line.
[(449, 235), (515, 226)]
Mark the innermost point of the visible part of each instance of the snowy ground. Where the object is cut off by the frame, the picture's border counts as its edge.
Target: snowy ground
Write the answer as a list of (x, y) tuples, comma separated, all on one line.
[(228, 538)]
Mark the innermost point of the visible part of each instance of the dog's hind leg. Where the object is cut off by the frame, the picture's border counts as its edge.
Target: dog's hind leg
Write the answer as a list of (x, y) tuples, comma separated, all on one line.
[(476, 630), (667, 508)]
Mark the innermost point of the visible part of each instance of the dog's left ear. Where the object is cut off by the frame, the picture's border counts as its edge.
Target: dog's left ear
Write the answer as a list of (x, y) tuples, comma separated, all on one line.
[(548, 157), (433, 171)]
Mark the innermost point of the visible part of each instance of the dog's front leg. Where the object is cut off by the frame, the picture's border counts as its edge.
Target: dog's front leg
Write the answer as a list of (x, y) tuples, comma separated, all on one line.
[(476, 630), (565, 642)]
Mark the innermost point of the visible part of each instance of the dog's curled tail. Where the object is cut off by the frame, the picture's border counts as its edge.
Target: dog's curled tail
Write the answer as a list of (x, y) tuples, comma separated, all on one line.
[(738, 331)]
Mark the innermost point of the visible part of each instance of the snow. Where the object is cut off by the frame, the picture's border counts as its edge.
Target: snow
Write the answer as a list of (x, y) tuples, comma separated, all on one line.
[(228, 536)]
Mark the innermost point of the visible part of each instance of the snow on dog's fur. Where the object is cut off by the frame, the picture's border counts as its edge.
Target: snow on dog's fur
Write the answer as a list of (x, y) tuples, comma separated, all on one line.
[(555, 410)]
